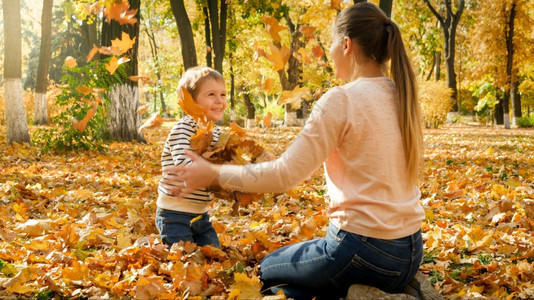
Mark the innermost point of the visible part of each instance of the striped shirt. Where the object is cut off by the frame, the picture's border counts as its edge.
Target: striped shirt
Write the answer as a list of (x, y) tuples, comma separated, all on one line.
[(178, 140)]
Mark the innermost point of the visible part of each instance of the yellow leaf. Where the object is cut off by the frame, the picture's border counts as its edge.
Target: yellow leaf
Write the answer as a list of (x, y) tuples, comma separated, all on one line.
[(278, 56), (237, 129), (245, 287), (477, 289), (195, 219), (295, 97), (125, 43)]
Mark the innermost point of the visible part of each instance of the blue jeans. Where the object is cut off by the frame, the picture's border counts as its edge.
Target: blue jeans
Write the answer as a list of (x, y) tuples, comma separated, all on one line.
[(325, 268), (175, 226)]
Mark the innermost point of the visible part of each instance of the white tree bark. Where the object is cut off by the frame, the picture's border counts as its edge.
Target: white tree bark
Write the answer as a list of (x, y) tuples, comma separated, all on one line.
[(290, 118), (16, 124), (40, 110), (123, 117)]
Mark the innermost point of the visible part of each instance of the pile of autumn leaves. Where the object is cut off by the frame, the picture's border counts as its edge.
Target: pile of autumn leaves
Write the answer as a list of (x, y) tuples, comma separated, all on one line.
[(82, 224)]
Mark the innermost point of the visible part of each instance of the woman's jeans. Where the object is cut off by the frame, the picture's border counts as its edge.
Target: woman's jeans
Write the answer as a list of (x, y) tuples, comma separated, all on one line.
[(325, 268), (175, 226)]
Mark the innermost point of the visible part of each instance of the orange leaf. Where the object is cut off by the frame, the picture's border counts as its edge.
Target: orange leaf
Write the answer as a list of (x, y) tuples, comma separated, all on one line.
[(124, 44), (268, 85), (278, 56), (317, 51), (137, 78), (121, 13), (267, 119), (154, 121), (308, 31), (80, 125), (335, 4), (92, 53), (272, 27), (84, 89), (71, 62), (112, 65), (143, 108), (190, 107)]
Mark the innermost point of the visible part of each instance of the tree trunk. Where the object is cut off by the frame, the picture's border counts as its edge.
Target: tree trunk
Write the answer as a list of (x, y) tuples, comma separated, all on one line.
[(218, 31), (510, 70), (124, 98), (16, 124), (189, 54), (89, 34), (207, 35), (506, 109), (516, 101), (386, 6), (437, 67), (290, 78), (251, 111), (40, 115), (498, 110), (449, 23), (123, 126)]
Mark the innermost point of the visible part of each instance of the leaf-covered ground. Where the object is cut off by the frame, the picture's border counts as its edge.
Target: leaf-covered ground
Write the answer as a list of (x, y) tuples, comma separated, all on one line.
[(81, 224)]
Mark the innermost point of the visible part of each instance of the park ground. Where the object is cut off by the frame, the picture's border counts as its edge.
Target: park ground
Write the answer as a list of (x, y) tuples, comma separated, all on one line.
[(81, 224)]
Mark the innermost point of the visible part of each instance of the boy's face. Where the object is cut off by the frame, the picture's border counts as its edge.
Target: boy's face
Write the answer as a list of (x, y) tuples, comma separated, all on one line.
[(211, 96)]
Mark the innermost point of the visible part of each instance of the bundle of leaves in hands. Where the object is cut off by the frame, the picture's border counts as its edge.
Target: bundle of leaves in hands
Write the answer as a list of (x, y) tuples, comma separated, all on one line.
[(232, 147)]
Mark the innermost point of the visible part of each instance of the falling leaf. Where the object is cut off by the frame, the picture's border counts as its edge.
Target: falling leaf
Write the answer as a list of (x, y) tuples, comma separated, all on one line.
[(272, 27), (80, 125), (190, 107), (84, 89), (154, 121), (308, 31), (92, 53), (317, 51), (335, 4), (278, 56), (295, 97), (124, 44), (267, 119), (121, 13), (143, 108), (112, 65), (137, 78), (269, 84), (71, 62)]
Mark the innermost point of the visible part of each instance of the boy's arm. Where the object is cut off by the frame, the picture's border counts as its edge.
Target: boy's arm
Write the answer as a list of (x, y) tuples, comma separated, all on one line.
[(180, 140)]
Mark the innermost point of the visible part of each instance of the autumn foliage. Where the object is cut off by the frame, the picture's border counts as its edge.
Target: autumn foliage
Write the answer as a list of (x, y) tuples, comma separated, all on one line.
[(81, 224)]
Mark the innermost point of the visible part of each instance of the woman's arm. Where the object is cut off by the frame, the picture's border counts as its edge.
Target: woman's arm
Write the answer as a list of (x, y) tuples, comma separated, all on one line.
[(323, 132)]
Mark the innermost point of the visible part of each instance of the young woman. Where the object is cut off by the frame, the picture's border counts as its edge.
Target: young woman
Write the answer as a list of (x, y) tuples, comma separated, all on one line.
[(368, 135), (175, 214)]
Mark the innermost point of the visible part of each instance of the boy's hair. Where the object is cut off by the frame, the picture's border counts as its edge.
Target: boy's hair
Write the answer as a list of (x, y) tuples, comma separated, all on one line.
[(194, 77)]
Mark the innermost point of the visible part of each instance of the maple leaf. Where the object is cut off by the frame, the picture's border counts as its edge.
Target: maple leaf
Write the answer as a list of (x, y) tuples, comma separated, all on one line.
[(121, 13), (80, 125), (272, 27), (278, 56), (295, 97), (190, 107), (124, 44), (245, 287)]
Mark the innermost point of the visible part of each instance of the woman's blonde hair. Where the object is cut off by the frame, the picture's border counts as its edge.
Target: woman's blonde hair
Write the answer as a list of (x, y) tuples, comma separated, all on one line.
[(194, 77), (380, 39)]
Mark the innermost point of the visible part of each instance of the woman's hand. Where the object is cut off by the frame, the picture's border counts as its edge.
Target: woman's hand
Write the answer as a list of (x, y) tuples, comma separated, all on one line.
[(200, 173)]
